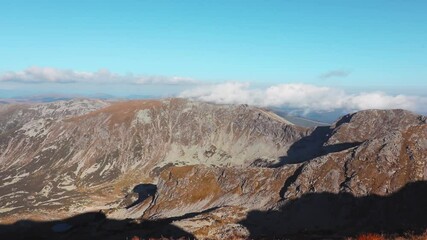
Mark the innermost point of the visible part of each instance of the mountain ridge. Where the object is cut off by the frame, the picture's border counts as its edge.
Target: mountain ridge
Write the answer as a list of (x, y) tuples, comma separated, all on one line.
[(66, 158)]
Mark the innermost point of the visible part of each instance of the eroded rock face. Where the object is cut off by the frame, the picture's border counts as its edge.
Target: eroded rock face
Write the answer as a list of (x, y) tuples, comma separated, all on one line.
[(217, 170), (371, 124)]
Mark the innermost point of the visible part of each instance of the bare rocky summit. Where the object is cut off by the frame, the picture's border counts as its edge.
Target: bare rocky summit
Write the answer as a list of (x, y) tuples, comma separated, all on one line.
[(175, 167)]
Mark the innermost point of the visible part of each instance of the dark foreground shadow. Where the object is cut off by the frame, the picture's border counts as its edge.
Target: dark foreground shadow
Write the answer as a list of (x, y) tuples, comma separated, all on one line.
[(343, 215), (312, 146), (95, 225)]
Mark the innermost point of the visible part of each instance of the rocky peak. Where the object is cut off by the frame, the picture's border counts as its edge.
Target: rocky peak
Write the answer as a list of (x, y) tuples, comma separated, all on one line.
[(368, 124)]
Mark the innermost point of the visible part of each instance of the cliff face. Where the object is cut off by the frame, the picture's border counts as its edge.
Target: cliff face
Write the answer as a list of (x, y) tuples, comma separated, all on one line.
[(215, 164)]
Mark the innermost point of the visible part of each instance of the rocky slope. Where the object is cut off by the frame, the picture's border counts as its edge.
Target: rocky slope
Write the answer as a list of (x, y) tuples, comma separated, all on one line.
[(54, 155), (212, 171), (381, 166)]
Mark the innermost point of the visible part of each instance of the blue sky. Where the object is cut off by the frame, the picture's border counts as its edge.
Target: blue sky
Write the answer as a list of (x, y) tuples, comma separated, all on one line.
[(351, 45)]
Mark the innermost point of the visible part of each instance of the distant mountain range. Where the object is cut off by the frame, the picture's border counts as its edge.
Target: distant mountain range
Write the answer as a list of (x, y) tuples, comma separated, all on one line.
[(48, 98), (296, 116)]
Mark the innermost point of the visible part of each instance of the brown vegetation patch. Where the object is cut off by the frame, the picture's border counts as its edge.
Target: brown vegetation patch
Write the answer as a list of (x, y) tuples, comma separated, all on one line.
[(121, 112), (178, 172), (206, 186)]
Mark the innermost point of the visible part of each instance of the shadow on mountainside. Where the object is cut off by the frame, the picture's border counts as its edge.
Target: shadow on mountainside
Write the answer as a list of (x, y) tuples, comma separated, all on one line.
[(343, 215), (312, 146), (95, 225), (144, 191)]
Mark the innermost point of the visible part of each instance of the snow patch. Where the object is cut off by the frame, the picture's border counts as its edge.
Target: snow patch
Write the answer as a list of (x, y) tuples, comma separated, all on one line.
[(53, 147), (5, 210), (106, 168), (35, 128), (46, 190), (90, 170), (15, 179), (67, 184)]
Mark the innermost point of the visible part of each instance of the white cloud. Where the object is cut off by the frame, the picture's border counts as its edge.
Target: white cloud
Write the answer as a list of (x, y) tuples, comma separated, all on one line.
[(304, 96), (231, 93), (54, 75)]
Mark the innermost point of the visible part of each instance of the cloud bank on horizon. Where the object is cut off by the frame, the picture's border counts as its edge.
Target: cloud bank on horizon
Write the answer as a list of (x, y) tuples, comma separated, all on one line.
[(54, 75), (292, 95), (304, 96)]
